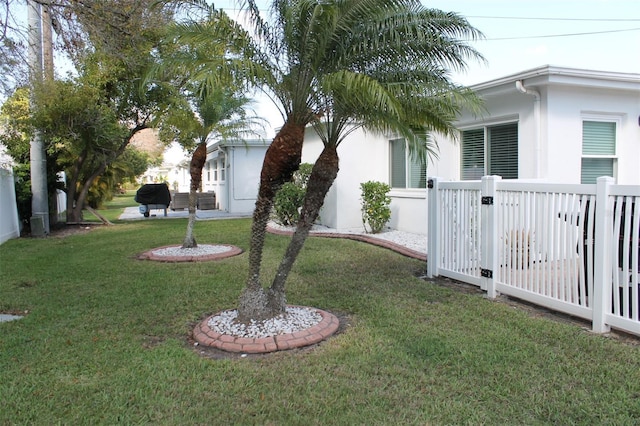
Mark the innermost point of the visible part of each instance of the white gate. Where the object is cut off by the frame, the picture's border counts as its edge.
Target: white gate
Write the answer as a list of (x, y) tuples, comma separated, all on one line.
[(571, 248)]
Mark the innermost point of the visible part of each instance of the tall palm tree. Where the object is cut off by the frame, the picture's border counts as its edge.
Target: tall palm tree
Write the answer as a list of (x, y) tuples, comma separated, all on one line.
[(309, 52), (381, 64), (290, 48)]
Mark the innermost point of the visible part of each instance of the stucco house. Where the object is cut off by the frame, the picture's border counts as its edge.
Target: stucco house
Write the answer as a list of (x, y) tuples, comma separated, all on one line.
[(232, 171), (550, 123)]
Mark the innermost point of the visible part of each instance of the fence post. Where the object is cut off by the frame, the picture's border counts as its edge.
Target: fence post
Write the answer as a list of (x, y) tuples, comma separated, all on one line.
[(602, 276), (488, 230), (433, 227)]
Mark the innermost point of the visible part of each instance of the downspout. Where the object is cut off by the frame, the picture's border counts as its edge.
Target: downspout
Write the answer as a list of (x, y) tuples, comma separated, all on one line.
[(227, 182), (536, 119)]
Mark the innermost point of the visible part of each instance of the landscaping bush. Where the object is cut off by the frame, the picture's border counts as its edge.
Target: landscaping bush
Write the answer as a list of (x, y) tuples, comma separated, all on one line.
[(375, 205), (289, 198)]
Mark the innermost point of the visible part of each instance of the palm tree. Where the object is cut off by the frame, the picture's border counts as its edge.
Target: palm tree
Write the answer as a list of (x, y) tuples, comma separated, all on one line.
[(381, 64), (219, 114), (201, 60), (288, 51)]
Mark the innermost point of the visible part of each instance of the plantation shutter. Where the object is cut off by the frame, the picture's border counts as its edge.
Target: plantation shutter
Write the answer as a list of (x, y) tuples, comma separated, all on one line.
[(593, 168), (503, 151), (598, 139), (417, 173), (472, 154), (398, 164)]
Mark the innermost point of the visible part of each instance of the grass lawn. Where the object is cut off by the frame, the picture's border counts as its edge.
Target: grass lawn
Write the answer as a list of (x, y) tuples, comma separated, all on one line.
[(106, 340)]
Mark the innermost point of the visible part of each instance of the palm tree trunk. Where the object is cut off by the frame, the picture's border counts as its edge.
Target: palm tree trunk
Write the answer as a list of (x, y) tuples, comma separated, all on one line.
[(280, 162), (323, 175), (195, 169), (189, 239)]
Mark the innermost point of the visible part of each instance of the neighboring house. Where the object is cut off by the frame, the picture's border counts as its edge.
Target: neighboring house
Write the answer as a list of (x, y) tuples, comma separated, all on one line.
[(175, 175), (553, 124), (232, 171)]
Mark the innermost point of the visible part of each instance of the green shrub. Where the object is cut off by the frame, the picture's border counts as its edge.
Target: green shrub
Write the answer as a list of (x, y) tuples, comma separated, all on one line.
[(289, 198), (375, 205)]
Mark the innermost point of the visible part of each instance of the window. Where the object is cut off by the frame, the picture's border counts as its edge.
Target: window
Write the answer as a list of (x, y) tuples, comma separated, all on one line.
[(491, 150), (598, 150), (407, 171), (215, 171)]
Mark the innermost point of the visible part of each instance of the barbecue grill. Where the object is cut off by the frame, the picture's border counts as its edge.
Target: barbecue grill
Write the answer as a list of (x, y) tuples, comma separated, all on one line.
[(153, 196)]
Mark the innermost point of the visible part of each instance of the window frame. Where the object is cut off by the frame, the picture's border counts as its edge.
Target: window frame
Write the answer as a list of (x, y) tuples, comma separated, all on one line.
[(600, 118), (409, 166), (486, 160)]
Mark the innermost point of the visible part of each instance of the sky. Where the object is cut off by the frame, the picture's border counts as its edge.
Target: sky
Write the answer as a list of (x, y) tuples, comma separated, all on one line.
[(599, 35)]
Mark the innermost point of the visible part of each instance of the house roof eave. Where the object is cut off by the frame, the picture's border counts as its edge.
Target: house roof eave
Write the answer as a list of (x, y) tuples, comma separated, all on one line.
[(236, 142), (553, 75)]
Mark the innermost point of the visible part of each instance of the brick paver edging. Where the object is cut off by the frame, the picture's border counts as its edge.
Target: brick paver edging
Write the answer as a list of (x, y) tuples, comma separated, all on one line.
[(357, 237), (204, 335), (149, 255)]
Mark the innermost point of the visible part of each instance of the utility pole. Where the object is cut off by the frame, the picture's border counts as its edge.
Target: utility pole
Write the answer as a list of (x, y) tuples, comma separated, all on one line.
[(40, 198), (47, 42)]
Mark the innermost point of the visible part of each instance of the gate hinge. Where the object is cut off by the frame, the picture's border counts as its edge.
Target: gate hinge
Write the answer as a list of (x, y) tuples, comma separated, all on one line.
[(430, 184), (486, 273), (487, 201)]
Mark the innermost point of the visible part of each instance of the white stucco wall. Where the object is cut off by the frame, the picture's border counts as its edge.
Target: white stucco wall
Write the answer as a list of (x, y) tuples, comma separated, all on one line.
[(357, 164), (568, 107), (243, 176), (238, 192), (9, 223), (364, 156)]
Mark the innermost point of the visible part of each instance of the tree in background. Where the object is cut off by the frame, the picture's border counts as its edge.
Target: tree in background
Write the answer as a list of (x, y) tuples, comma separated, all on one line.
[(13, 62), (110, 44), (80, 134), (220, 114), (16, 129), (213, 103), (83, 133), (124, 170)]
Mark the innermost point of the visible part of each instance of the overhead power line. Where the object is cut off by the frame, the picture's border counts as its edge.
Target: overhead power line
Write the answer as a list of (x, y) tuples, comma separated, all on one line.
[(556, 19), (562, 35), (537, 18)]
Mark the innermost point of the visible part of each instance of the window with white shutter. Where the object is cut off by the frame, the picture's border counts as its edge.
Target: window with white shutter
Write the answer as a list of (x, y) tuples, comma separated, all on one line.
[(598, 150), (407, 171), (490, 150)]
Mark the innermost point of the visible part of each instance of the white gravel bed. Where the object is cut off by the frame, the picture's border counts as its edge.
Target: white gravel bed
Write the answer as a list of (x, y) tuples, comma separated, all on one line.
[(295, 319), (416, 242), (200, 250), (411, 241)]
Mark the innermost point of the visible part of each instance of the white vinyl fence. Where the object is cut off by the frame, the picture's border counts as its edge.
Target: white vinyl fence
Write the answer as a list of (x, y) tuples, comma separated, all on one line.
[(570, 248)]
